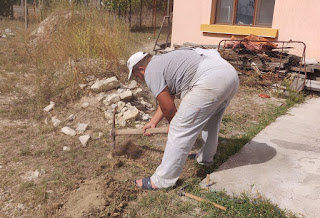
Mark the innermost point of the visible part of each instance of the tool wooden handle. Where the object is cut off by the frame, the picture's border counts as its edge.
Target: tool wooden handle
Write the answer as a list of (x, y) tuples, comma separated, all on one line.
[(140, 131), (204, 200)]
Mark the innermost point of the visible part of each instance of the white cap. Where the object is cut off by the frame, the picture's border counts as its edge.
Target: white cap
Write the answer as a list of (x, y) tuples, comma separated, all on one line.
[(134, 59)]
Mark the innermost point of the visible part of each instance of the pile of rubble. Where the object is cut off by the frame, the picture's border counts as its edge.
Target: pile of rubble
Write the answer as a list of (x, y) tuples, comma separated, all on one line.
[(7, 33), (111, 96)]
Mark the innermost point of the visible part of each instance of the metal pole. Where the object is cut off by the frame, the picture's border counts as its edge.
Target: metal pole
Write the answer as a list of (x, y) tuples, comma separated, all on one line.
[(130, 13), (140, 13), (26, 14)]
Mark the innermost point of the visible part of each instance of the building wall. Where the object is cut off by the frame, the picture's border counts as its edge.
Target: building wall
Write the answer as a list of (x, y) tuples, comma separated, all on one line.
[(297, 20)]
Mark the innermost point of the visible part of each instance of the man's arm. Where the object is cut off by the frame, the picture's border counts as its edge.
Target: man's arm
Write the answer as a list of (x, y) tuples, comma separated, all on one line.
[(166, 103)]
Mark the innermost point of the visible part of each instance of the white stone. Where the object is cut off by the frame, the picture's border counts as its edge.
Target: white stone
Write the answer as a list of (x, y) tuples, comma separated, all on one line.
[(138, 92), (46, 121), (81, 128), (108, 115), (145, 116), (120, 106), (4, 36), (146, 104), (122, 86), (121, 122), (32, 175), (90, 78), (56, 122), (66, 148), (120, 90), (133, 84), (71, 117), (85, 105), (101, 96), (68, 131), (82, 86), (49, 107), (1, 166), (123, 110), (111, 99), (8, 31), (131, 114), (106, 84), (126, 95), (84, 139)]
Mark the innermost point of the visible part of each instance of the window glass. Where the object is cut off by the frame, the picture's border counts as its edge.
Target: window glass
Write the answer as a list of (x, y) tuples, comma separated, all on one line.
[(265, 12), (224, 11), (245, 12)]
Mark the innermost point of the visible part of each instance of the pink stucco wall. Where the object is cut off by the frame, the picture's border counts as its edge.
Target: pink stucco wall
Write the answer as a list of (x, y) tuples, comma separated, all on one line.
[(297, 20)]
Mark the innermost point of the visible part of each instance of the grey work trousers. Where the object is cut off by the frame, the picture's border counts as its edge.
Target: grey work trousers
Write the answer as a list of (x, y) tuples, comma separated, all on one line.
[(200, 111)]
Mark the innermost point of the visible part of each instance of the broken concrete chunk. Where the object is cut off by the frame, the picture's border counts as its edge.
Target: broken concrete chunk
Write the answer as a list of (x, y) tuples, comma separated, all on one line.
[(121, 122), (71, 117), (82, 86), (66, 148), (123, 110), (84, 139), (120, 90), (56, 122), (85, 105), (32, 175), (68, 131), (108, 115), (106, 84), (133, 84), (90, 78), (138, 92), (81, 128), (120, 106), (101, 96), (131, 114), (126, 95), (111, 99), (145, 116), (49, 107)]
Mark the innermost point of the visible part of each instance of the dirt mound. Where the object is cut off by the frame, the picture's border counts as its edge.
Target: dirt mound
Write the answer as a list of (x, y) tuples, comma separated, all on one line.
[(51, 24), (99, 197)]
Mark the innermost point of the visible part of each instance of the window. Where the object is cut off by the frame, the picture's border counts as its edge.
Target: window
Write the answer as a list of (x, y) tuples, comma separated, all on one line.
[(245, 12)]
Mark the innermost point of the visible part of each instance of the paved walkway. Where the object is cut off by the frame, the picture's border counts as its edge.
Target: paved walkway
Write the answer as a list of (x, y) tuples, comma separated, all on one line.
[(282, 163)]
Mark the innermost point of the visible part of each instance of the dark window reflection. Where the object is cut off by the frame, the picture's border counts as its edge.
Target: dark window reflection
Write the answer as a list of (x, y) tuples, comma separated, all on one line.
[(245, 12)]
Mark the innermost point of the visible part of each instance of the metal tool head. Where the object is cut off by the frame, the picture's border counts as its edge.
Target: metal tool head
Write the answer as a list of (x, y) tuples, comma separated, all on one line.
[(181, 193)]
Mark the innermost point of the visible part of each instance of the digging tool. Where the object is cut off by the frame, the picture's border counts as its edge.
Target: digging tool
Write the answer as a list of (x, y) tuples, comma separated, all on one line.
[(114, 132), (181, 192)]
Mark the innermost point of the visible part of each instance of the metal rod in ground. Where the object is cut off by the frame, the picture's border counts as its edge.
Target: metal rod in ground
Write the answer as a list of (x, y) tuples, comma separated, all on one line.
[(26, 14)]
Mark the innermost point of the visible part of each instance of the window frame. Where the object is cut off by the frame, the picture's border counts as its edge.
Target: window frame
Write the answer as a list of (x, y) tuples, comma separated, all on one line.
[(257, 6)]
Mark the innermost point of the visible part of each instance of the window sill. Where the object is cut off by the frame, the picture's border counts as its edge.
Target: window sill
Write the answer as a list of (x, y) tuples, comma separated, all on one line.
[(239, 30)]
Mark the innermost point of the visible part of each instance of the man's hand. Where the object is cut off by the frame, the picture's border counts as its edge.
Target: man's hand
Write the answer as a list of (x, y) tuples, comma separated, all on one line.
[(147, 126)]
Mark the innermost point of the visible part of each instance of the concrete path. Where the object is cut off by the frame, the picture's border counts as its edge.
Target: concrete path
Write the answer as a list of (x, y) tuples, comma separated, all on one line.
[(282, 163)]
